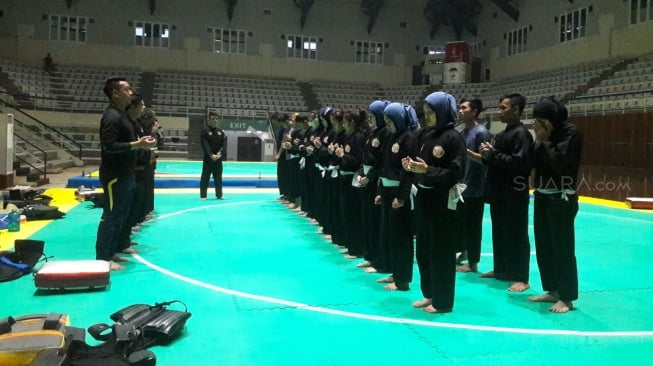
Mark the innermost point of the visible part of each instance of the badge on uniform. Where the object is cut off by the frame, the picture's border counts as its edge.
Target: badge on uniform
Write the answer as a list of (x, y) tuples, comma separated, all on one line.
[(438, 152), (376, 142), (395, 148), (347, 149)]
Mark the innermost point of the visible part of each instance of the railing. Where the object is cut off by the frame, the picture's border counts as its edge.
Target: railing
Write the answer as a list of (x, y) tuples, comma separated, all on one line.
[(43, 171), (51, 134)]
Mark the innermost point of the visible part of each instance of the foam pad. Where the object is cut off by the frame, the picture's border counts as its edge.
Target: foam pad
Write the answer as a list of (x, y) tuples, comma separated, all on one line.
[(640, 203), (73, 274)]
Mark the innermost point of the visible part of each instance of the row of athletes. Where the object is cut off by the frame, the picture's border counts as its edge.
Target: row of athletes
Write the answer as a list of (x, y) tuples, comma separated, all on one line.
[(376, 179), (129, 136)]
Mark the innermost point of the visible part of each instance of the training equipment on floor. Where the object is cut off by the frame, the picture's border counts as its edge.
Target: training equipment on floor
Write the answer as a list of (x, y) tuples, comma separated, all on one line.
[(60, 275)]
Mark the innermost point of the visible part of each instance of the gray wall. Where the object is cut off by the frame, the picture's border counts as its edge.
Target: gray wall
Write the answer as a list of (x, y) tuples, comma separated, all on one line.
[(23, 36)]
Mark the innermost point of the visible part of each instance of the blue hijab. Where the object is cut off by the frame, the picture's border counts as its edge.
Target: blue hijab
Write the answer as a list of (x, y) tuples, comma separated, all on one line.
[(402, 115), (376, 108), (444, 106)]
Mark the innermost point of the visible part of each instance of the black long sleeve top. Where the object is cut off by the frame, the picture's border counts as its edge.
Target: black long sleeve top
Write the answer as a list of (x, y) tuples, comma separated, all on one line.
[(509, 164), (557, 160), (116, 132), (213, 140), (445, 154)]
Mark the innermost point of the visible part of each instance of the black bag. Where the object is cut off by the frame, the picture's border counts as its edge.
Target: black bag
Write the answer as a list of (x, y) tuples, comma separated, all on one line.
[(22, 260), (42, 212), (149, 325)]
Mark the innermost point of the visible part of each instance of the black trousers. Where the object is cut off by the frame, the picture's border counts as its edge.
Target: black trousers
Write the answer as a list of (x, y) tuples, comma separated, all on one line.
[(371, 225), (211, 168), (472, 227), (556, 244), (437, 235), (396, 231), (510, 243), (118, 193)]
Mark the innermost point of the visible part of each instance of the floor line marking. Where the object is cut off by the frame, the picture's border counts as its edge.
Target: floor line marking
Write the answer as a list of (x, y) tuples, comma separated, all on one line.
[(367, 316), (389, 319)]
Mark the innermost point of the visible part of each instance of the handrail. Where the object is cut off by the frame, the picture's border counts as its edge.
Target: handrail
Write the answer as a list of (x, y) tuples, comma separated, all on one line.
[(17, 108), (45, 157)]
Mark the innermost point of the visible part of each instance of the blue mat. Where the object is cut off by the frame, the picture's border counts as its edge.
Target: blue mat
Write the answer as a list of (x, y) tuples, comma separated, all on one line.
[(88, 182), (186, 174)]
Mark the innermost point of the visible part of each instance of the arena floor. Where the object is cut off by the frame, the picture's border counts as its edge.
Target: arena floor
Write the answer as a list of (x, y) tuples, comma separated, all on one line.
[(265, 289)]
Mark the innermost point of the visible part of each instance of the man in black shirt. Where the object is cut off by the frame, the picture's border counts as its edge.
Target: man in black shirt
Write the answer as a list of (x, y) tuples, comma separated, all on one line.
[(213, 140), (509, 167)]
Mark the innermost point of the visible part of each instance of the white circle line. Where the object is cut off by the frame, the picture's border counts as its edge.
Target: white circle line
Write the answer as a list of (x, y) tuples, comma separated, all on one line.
[(350, 314), (386, 319)]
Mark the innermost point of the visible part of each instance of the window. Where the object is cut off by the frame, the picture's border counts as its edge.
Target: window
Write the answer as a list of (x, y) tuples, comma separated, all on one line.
[(152, 34), (434, 50), (641, 11), (369, 52), (475, 48), (433, 54), (68, 28), (573, 24), (229, 41), (302, 47), (517, 41)]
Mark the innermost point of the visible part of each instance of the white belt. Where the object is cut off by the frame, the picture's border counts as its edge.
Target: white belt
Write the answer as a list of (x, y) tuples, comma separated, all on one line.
[(342, 172), (423, 186), (455, 195), (389, 182), (563, 193)]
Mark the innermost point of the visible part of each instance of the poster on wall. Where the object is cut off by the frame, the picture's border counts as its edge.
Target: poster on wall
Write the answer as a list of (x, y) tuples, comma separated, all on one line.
[(456, 61)]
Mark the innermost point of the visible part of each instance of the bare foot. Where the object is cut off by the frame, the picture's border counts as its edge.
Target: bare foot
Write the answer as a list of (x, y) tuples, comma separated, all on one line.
[(468, 267), (489, 274), (349, 256), (422, 303), (115, 266), (346, 251), (388, 279), (129, 251), (370, 269), (396, 287), (561, 307), (364, 264), (519, 287), (116, 258), (548, 297), (431, 310), (390, 287), (461, 258), (326, 237)]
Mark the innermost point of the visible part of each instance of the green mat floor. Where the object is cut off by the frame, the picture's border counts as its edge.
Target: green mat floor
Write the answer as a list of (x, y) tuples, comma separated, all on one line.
[(265, 289)]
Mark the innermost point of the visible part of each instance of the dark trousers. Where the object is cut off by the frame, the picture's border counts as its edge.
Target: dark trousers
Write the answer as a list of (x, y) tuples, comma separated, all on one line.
[(396, 229), (556, 244), (510, 243), (350, 212), (118, 193), (371, 225), (148, 203), (472, 227), (210, 167), (437, 235)]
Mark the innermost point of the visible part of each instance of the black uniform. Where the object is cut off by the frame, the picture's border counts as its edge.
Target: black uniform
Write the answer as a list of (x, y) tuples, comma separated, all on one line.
[(438, 225), (556, 164), (213, 140), (507, 188), (117, 178)]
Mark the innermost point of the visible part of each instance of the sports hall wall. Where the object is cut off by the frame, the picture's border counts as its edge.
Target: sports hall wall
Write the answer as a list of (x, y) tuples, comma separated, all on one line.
[(24, 36), (617, 157)]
